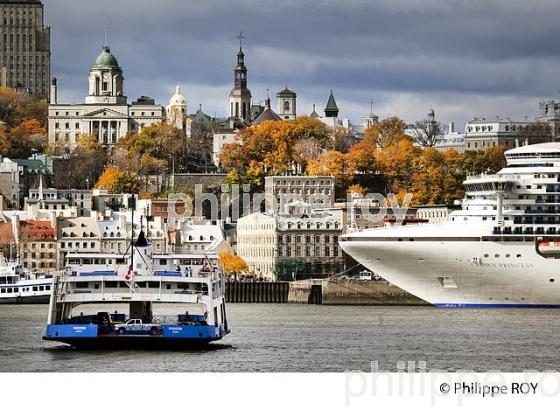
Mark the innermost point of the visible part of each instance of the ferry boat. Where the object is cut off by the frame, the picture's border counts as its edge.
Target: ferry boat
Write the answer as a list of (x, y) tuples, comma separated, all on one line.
[(138, 284), (502, 249), (18, 287)]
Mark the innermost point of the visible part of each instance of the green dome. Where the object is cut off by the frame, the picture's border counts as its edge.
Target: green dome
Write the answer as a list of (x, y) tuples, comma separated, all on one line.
[(106, 59)]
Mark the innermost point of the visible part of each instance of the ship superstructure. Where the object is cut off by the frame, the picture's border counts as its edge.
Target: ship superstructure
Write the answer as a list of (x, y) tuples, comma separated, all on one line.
[(135, 285)]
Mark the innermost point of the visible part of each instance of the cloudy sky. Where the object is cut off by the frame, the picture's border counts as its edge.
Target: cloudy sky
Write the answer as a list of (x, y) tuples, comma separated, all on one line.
[(466, 58)]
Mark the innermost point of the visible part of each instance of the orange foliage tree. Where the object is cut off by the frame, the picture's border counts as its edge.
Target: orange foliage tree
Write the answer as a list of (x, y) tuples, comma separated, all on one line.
[(271, 148), (118, 181), (232, 265)]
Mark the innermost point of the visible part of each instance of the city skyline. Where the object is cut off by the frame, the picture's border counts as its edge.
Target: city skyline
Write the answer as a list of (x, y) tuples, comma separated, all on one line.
[(455, 57)]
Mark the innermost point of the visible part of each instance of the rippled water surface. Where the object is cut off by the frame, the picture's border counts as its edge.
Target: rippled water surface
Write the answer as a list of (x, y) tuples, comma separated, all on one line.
[(311, 338)]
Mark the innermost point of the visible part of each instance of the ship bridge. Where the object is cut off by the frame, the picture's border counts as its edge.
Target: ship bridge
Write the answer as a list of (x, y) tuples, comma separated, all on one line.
[(485, 183)]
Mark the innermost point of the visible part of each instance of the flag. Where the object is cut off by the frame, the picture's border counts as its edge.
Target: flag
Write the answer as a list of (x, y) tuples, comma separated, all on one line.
[(207, 265), (128, 275)]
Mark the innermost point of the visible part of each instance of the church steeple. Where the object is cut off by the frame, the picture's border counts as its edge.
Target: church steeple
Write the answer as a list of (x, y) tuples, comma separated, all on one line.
[(240, 96), (331, 110)]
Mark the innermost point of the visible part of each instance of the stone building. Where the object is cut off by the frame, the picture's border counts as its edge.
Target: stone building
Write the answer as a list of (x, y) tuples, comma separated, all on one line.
[(10, 182), (105, 112), (295, 246), (77, 235), (38, 245), (25, 47), (286, 104), (549, 112), (318, 191), (482, 133)]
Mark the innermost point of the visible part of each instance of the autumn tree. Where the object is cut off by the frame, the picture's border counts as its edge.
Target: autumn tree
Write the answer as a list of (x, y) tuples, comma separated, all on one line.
[(427, 133), (385, 133), (23, 140), (198, 147), (16, 108), (232, 265), (118, 181), (270, 148), (160, 140), (81, 166)]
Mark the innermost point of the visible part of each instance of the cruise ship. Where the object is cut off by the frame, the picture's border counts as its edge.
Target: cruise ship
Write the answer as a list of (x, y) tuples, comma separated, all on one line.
[(501, 249)]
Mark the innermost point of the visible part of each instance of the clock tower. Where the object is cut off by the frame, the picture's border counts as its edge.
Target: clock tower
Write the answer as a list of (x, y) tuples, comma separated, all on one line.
[(106, 81)]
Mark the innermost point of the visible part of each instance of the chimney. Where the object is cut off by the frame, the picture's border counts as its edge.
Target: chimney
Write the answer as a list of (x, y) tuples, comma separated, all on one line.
[(15, 227), (451, 127), (54, 91)]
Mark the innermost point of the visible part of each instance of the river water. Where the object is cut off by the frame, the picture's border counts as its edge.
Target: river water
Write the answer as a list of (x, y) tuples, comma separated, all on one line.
[(313, 338)]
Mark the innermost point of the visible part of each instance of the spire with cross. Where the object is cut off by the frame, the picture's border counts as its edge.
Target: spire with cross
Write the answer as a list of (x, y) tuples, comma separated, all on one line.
[(241, 37)]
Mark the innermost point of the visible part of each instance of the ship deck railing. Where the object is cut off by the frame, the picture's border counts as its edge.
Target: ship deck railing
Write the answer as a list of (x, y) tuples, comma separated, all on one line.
[(125, 297)]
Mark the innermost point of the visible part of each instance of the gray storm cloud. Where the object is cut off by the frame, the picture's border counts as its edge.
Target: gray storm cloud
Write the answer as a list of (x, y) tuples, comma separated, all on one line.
[(466, 58)]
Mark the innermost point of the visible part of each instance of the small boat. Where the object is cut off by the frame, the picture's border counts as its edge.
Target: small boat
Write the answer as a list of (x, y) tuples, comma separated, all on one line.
[(138, 284), (549, 247), (19, 287)]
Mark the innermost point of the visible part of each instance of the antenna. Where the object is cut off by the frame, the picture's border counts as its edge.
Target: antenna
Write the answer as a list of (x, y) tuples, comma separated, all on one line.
[(106, 34), (267, 90), (371, 106), (241, 37)]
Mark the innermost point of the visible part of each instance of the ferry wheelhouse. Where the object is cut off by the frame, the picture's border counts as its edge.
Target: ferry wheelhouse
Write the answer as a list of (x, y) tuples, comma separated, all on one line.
[(136, 285)]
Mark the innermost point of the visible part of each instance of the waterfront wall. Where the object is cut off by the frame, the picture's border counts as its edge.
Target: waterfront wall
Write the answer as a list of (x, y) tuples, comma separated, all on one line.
[(321, 292), (367, 293), (257, 292)]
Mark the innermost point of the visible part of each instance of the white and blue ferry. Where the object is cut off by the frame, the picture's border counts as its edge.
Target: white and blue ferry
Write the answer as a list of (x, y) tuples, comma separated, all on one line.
[(19, 287), (138, 284)]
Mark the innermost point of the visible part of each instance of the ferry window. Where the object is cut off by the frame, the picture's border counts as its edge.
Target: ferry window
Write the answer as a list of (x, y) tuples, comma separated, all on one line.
[(82, 285), (35, 288), (507, 255), (168, 286), (48, 287), (486, 255), (41, 288), (9, 290), (497, 255), (519, 255), (111, 284), (3, 290)]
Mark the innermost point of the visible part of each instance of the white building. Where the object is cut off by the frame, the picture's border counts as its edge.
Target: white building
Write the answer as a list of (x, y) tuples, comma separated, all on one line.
[(105, 112), (284, 246), (482, 133), (177, 110), (452, 139)]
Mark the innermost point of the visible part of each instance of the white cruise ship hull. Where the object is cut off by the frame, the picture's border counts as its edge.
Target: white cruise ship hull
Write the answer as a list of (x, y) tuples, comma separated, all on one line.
[(462, 272)]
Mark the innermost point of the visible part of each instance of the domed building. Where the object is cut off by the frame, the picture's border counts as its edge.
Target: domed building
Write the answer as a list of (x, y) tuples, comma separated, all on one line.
[(177, 110), (106, 112)]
